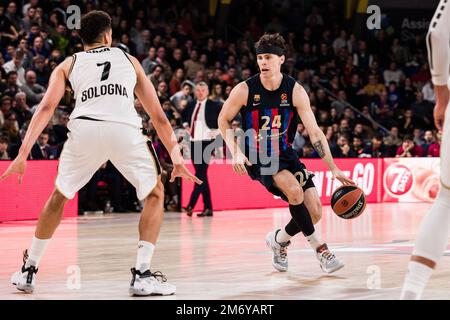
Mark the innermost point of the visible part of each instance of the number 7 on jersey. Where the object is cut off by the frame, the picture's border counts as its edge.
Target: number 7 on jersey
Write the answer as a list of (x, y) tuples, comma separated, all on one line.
[(106, 68)]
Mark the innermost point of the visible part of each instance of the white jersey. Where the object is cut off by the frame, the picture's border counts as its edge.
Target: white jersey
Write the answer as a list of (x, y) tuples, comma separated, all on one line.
[(438, 44), (103, 81)]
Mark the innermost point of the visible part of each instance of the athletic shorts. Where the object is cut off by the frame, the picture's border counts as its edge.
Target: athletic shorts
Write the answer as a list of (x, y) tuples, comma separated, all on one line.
[(91, 143), (288, 160)]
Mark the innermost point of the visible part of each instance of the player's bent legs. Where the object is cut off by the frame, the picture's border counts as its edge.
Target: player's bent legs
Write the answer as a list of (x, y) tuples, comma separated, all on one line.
[(431, 242), (433, 234), (152, 214), (51, 215), (289, 185), (313, 204)]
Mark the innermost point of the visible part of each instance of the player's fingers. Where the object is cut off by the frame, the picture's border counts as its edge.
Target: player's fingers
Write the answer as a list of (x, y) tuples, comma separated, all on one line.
[(247, 162), (438, 124), (196, 180), (5, 174)]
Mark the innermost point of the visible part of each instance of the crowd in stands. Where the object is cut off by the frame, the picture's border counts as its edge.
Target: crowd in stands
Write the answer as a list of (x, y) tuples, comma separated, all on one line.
[(371, 94)]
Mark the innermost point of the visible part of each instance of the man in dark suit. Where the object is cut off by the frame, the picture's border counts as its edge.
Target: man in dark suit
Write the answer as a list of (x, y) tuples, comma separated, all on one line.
[(202, 114), (41, 150)]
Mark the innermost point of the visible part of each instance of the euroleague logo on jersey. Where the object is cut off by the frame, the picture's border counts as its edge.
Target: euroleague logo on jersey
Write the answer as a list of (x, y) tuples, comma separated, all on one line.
[(284, 100), (398, 179)]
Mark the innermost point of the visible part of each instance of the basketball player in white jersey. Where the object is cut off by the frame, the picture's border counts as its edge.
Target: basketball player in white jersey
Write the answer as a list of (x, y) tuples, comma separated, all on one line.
[(103, 126), (433, 235)]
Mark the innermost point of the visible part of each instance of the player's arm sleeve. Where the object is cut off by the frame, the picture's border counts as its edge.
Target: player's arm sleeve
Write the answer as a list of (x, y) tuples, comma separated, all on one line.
[(438, 44)]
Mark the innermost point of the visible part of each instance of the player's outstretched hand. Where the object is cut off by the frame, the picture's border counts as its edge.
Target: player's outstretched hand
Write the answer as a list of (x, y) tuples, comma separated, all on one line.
[(17, 166), (179, 170), (338, 174), (239, 163)]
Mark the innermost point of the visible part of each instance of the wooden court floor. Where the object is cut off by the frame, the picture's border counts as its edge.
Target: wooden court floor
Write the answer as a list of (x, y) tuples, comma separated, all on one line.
[(224, 257)]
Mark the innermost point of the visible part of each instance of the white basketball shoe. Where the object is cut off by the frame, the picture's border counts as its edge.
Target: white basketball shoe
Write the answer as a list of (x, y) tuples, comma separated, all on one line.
[(25, 279), (328, 261), (279, 251), (148, 283)]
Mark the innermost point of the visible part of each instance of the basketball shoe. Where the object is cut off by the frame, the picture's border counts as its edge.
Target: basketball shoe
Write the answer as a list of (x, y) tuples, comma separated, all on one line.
[(25, 279), (148, 283), (328, 261), (279, 251)]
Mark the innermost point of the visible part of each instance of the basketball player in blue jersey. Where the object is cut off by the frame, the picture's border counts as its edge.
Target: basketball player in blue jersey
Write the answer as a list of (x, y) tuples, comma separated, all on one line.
[(270, 104)]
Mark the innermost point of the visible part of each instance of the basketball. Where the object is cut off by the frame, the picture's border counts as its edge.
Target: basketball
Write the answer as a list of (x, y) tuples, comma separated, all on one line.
[(348, 202)]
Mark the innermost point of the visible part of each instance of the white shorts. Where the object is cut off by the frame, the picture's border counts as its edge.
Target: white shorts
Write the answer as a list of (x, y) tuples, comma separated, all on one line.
[(92, 143), (445, 151)]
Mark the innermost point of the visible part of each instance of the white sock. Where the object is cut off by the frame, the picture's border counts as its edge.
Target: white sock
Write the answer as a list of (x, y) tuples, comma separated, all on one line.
[(415, 281), (144, 255), (314, 240), (282, 236), (38, 247)]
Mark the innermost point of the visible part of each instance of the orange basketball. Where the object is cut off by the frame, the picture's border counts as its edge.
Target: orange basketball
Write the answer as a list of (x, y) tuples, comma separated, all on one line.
[(348, 202)]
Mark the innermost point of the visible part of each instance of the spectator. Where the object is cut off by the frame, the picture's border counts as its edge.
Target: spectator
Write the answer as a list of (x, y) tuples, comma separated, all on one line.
[(33, 91), (435, 148), (60, 130), (217, 94), (193, 65), (41, 70), (4, 149), (41, 149), (184, 94), (39, 48), (22, 109), (176, 61), (393, 74), (5, 107), (375, 149), (357, 146), (392, 141), (308, 151), (16, 65), (428, 141), (29, 19), (428, 92), (361, 58), (409, 149), (149, 63), (176, 81), (422, 112), (374, 87), (342, 148), (156, 76), (162, 91), (299, 139), (417, 137), (7, 30)]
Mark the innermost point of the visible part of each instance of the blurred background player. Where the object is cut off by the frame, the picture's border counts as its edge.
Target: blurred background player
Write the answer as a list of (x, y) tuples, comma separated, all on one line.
[(270, 103), (432, 237)]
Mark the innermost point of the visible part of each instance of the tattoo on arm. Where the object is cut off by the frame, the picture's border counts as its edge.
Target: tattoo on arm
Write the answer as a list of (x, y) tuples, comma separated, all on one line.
[(319, 148)]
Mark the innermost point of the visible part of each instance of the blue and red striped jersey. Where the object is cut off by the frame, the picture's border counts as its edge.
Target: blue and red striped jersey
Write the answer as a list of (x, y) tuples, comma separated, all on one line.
[(269, 119)]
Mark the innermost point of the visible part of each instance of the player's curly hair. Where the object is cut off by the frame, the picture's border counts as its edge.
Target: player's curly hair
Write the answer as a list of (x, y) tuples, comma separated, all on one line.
[(271, 39), (93, 25)]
